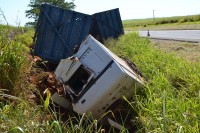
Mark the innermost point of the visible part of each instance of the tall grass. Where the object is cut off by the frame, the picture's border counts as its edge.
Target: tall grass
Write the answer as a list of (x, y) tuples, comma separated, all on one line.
[(170, 100), (13, 59), (19, 116)]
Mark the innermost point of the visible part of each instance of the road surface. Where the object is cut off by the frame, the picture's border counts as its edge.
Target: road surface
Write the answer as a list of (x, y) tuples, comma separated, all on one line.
[(179, 35)]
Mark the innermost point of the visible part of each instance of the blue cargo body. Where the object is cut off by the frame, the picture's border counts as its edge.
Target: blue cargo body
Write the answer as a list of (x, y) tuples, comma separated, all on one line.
[(58, 31), (107, 24)]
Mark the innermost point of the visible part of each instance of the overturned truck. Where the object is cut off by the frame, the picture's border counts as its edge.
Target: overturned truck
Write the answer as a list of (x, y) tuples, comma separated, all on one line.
[(94, 78)]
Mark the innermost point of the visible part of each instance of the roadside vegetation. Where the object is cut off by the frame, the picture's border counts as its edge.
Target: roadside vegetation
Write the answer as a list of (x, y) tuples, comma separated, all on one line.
[(14, 66), (13, 58), (169, 102), (179, 22)]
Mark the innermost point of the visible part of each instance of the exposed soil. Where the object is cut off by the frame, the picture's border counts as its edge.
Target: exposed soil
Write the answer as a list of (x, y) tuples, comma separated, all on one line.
[(43, 78)]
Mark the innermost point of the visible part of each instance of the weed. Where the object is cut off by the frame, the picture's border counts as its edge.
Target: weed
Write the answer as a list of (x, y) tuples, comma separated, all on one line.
[(13, 59)]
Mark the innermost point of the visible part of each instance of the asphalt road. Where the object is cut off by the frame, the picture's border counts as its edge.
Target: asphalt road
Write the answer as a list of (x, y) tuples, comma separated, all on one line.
[(179, 35)]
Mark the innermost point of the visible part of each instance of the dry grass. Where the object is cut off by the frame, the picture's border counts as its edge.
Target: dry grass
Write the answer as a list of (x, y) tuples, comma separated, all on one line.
[(185, 50)]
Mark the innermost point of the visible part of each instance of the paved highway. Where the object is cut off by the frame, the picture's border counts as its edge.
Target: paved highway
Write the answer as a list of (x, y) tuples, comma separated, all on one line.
[(179, 35)]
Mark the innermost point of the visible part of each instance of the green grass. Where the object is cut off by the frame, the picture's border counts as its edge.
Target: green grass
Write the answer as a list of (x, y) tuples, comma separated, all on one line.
[(179, 22), (20, 116), (13, 59), (170, 100)]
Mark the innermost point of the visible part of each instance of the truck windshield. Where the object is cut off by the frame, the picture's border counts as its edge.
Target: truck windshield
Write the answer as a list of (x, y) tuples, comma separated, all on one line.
[(79, 79)]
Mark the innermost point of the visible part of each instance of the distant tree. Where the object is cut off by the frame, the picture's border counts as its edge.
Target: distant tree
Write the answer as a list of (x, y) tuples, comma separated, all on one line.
[(35, 8)]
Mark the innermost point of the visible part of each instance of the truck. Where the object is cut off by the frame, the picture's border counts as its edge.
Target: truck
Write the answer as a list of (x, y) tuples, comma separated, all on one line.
[(94, 78)]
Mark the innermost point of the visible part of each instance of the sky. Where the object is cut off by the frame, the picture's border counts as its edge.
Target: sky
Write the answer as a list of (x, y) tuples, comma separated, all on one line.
[(14, 10)]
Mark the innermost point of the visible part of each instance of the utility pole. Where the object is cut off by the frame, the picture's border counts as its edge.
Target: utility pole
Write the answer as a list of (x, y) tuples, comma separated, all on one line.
[(154, 15)]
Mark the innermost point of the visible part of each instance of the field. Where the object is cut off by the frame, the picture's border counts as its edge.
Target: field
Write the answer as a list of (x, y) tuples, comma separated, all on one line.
[(179, 22), (169, 101)]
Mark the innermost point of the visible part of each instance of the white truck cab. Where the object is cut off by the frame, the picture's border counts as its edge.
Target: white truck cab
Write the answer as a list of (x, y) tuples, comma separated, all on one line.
[(96, 78)]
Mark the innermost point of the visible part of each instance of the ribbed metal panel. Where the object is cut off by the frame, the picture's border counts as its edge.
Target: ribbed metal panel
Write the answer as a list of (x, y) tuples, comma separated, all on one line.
[(107, 24), (58, 31)]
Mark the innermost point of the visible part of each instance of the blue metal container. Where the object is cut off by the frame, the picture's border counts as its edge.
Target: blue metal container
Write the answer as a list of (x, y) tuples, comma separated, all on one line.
[(107, 24), (58, 31)]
